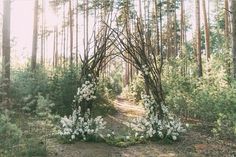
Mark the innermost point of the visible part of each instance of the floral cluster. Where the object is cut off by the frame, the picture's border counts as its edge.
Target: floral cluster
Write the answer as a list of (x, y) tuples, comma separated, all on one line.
[(86, 92), (149, 102), (145, 69), (152, 126), (81, 127)]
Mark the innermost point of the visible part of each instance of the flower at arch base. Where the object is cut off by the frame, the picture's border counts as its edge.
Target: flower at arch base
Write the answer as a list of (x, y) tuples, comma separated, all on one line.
[(151, 126), (78, 127)]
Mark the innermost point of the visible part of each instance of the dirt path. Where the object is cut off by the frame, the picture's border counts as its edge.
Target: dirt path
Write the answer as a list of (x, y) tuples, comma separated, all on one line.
[(193, 143)]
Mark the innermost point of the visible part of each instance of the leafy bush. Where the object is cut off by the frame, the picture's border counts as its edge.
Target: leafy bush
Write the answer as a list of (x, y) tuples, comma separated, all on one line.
[(124, 140), (10, 134), (39, 127), (211, 98), (63, 86), (109, 87), (26, 85), (135, 89)]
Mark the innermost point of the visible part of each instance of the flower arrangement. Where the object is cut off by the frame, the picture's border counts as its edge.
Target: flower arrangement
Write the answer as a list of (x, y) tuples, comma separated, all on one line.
[(81, 126), (152, 126), (78, 127), (86, 92)]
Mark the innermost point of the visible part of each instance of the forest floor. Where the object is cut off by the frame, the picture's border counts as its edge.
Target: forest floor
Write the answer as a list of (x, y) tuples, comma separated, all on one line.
[(194, 143)]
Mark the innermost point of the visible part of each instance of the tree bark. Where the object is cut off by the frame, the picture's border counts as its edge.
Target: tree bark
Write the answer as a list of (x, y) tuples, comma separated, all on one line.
[(77, 33), (198, 38), (233, 5), (226, 31), (206, 27), (182, 27), (42, 32), (71, 32), (35, 37), (6, 46)]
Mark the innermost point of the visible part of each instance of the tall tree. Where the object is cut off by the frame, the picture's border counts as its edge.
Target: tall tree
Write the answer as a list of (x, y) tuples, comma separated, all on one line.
[(157, 27), (77, 32), (35, 37), (198, 37), (226, 14), (42, 32), (168, 31), (6, 47), (233, 6), (71, 32), (182, 26), (206, 27), (86, 21)]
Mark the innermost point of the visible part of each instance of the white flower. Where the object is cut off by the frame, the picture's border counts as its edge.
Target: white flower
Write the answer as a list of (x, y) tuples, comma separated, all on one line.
[(72, 136), (127, 137), (174, 138), (136, 134), (160, 134), (108, 135)]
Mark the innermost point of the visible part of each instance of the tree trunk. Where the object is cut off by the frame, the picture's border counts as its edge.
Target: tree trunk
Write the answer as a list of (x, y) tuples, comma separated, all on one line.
[(198, 38), (226, 31), (77, 33), (64, 35), (6, 47), (42, 33), (71, 32), (35, 37), (86, 21), (206, 27), (55, 47), (234, 36), (168, 33), (182, 27)]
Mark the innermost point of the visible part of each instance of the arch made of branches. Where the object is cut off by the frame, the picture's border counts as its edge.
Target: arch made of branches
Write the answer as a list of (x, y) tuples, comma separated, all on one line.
[(136, 48)]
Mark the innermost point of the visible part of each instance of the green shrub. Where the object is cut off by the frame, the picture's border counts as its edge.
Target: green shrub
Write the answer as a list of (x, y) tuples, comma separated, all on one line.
[(135, 89), (26, 85), (211, 98), (62, 88), (34, 147), (10, 135)]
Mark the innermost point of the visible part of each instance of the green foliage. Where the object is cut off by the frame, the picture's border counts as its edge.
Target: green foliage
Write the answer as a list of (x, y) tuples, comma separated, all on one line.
[(38, 129), (211, 99), (123, 140), (2, 92), (105, 93), (62, 88), (108, 88), (10, 134), (34, 147), (135, 89), (43, 108), (26, 85)]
